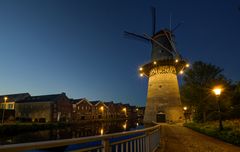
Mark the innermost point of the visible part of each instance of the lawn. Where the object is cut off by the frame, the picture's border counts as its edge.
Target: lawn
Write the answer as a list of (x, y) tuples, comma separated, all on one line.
[(230, 133)]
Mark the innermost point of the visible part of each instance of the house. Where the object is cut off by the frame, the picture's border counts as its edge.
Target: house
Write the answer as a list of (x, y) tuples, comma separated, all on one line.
[(7, 104), (45, 108), (82, 109), (121, 110), (112, 110), (100, 110)]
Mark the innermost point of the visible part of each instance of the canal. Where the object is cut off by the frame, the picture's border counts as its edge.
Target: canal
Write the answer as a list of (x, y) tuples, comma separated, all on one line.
[(74, 131)]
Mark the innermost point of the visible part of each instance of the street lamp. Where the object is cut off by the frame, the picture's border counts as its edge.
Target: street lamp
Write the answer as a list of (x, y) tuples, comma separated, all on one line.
[(217, 91), (4, 106), (185, 113)]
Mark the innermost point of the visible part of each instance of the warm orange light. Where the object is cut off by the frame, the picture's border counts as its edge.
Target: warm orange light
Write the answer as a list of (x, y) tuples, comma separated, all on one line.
[(176, 60), (5, 99), (124, 109), (136, 109), (187, 65), (155, 62), (101, 108), (185, 108), (181, 72), (141, 74), (140, 69), (101, 131), (217, 91), (125, 126)]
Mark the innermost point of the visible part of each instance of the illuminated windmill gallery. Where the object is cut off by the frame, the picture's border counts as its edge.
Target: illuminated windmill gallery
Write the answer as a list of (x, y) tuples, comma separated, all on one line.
[(163, 97)]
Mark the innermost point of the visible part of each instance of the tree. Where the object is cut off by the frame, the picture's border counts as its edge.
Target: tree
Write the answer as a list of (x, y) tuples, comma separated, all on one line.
[(196, 89)]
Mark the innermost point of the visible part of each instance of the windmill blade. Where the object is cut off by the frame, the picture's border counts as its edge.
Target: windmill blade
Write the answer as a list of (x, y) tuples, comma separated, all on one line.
[(136, 35), (177, 26), (153, 20), (159, 44), (171, 41)]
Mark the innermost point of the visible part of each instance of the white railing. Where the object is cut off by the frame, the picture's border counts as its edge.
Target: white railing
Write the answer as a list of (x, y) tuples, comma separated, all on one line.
[(144, 140)]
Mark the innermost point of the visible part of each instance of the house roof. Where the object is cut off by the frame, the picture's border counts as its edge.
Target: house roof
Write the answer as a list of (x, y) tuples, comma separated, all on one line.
[(74, 101), (46, 98), (95, 102), (109, 103), (82, 100), (14, 97)]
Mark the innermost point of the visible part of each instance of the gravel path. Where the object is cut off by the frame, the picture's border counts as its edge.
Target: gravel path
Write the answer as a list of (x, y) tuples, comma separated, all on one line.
[(175, 138)]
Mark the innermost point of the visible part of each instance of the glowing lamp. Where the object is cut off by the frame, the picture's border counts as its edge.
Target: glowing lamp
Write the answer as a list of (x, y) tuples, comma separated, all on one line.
[(217, 91)]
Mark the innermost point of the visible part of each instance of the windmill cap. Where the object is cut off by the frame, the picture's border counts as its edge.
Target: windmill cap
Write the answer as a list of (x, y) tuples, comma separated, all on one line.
[(162, 33)]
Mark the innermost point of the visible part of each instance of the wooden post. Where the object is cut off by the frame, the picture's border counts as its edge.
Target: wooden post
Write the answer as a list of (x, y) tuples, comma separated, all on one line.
[(106, 146)]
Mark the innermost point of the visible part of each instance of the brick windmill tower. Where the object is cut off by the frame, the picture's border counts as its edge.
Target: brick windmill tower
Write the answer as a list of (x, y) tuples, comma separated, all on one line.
[(163, 97)]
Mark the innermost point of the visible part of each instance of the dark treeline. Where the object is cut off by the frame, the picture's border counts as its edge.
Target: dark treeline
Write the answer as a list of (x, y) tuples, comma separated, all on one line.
[(197, 94)]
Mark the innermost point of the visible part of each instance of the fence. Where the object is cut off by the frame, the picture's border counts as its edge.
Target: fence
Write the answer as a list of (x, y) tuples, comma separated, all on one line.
[(144, 140)]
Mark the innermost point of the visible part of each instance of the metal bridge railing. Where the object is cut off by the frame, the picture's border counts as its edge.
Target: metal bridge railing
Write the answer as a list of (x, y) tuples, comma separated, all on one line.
[(144, 140)]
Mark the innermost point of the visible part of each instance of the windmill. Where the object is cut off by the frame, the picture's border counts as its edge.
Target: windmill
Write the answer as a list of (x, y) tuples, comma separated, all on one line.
[(163, 98)]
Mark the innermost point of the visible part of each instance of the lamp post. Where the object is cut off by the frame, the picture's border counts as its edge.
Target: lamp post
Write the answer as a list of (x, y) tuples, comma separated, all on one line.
[(185, 113), (4, 106), (217, 91)]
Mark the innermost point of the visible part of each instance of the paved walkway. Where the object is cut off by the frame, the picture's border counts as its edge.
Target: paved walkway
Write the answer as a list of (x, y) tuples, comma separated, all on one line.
[(176, 138)]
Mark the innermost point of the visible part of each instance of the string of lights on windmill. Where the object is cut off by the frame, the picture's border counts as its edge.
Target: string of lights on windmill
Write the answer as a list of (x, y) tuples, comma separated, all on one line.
[(155, 63)]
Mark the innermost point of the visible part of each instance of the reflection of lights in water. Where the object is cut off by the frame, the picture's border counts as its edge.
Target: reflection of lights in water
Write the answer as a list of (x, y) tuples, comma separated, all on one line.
[(137, 124), (101, 131), (125, 126)]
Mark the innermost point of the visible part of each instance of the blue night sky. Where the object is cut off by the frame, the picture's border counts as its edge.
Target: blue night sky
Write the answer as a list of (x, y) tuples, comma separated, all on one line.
[(78, 47)]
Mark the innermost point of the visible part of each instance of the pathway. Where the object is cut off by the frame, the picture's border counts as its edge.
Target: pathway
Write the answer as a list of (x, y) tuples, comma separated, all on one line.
[(176, 138)]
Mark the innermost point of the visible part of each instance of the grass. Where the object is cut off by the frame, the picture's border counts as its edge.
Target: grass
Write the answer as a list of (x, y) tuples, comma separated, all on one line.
[(230, 133)]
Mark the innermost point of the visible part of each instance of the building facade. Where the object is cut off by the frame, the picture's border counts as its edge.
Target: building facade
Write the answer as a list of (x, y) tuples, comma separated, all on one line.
[(7, 105), (46, 108)]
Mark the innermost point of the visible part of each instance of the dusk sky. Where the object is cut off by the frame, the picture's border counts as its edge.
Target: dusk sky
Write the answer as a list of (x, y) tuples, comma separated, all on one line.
[(78, 47)]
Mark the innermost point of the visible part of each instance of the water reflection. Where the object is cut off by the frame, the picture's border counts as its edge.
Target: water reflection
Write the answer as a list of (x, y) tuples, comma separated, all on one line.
[(75, 131)]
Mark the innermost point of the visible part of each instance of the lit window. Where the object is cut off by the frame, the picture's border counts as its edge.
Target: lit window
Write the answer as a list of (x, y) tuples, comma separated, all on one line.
[(10, 106)]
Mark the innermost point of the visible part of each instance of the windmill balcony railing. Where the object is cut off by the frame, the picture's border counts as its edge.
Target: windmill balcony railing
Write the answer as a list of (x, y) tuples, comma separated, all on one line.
[(143, 140)]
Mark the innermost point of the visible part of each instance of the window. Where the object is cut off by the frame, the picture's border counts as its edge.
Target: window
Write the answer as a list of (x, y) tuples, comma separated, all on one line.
[(10, 106)]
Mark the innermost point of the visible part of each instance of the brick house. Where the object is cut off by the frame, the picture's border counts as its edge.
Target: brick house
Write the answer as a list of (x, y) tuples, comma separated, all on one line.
[(82, 109), (99, 110), (45, 108)]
